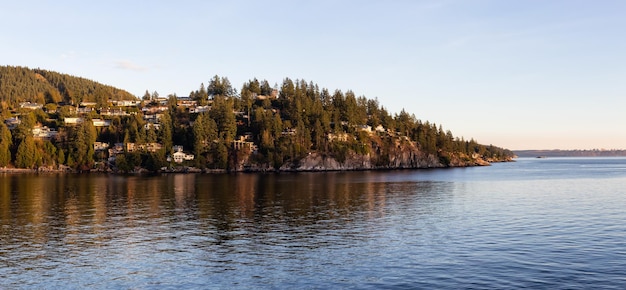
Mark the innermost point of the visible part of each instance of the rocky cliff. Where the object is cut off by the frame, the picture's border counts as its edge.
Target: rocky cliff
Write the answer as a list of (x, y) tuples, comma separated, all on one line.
[(406, 156)]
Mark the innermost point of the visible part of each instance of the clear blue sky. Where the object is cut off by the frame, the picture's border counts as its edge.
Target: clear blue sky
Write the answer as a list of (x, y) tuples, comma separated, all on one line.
[(518, 74)]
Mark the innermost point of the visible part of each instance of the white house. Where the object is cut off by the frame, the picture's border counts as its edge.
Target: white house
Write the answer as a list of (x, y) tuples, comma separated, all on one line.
[(179, 157), (73, 120), (101, 123), (199, 109), (43, 132), (30, 106)]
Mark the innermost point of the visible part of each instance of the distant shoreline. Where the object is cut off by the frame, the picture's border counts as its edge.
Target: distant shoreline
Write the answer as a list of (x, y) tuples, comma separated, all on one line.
[(570, 153)]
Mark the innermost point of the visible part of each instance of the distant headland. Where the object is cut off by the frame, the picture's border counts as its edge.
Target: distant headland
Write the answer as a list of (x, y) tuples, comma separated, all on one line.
[(571, 153), (57, 122)]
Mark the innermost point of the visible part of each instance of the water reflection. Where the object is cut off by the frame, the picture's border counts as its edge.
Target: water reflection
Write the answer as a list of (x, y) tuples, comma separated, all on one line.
[(131, 226)]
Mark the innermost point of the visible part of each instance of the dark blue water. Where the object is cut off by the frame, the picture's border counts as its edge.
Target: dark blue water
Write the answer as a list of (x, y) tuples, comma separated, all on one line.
[(556, 223)]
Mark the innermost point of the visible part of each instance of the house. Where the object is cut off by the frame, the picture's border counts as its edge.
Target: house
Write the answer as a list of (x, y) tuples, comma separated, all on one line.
[(186, 102), (153, 147), (242, 142), (154, 109), (85, 110), (341, 137), (101, 123), (131, 147), (43, 132), (179, 156), (30, 106), (126, 103), (154, 118), (113, 112), (150, 147), (199, 109), (73, 120), (12, 122), (100, 146)]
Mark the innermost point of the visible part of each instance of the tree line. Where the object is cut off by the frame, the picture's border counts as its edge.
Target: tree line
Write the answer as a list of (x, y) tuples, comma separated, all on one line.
[(283, 122)]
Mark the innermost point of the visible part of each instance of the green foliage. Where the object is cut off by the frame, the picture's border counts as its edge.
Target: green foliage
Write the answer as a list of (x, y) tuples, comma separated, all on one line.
[(6, 141), (20, 84), (285, 125), (222, 113), (204, 133), (26, 156)]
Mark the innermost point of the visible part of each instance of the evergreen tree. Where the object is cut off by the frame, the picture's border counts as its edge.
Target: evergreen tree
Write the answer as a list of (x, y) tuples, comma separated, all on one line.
[(26, 155), (165, 132), (222, 113), (204, 133), (5, 145), (146, 96)]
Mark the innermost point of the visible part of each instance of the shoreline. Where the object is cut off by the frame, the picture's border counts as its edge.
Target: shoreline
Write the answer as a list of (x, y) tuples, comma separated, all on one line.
[(194, 170)]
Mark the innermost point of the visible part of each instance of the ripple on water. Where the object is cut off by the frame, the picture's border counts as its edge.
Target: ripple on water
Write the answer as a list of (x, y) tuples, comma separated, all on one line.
[(466, 228)]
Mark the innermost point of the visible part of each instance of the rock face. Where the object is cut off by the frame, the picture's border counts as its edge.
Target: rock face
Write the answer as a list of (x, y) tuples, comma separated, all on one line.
[(318, 162), (405, 156)]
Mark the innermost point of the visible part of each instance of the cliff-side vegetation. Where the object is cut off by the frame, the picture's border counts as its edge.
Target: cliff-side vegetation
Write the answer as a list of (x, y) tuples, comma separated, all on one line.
[(262, 127)]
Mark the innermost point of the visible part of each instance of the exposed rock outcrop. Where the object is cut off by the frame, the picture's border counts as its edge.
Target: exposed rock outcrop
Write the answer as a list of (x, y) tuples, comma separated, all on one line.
[(405, 156)]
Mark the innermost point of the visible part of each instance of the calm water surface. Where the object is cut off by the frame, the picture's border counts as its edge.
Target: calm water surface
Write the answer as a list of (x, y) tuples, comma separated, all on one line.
[(541, 223)]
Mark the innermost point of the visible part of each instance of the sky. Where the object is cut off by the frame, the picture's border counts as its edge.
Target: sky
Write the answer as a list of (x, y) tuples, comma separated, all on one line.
[(527, 74)]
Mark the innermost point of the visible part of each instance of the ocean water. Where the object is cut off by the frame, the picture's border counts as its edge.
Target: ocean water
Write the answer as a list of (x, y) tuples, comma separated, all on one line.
[(555, 223)]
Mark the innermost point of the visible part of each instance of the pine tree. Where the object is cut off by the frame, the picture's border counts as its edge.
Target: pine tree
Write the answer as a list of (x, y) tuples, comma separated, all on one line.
[(26, 155), (5, 145), (204, 132)]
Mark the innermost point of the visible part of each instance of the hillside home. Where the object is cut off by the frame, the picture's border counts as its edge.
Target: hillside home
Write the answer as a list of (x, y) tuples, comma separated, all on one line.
[(199, 109), (154, 109), (341, 137), (242, 142), (100, 146), (150, 147), (101, 123), (113, 112), (12, 122), (186, 102), (30, 106), (72, 120), (43, 132), (179, 156), (126, 103)]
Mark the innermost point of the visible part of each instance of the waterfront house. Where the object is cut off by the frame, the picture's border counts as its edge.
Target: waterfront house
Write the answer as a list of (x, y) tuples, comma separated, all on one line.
[(179, 156)]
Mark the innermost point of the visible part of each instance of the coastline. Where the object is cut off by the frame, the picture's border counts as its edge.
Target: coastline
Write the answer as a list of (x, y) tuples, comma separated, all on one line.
[(283, 169)]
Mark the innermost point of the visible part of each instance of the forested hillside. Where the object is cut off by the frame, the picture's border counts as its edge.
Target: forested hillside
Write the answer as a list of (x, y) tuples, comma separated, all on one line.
[(20, 84), (73, 123)]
